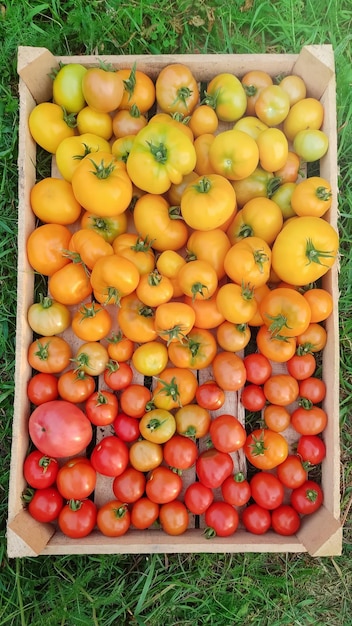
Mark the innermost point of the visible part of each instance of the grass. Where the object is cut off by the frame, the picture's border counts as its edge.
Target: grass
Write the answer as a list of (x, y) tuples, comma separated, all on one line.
[(175, 590)]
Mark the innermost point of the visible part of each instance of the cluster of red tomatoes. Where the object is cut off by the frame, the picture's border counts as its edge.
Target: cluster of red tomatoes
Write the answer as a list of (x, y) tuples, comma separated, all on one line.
[(171, 243)]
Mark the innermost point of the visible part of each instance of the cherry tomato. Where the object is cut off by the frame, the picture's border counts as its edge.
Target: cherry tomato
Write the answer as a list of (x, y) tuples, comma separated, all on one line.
[(307, 498), (256, 519), (110, 456), (180, 452), (76, 479), (157, 425), (311, 449), (118, 376), (198, 498), (292, 472), (126, 427), (210, 396), (173, 517), (78, 518), (145, 455), (276, 418), (227, 433), (134, 400), (113, 519), (221, 519), (229, 371), (144, 513), (40, 471), (281, 389), (45, 504), (265, 448), (258, 368), (253, 397), (213, 466), (285, 520), (236, 490), (42, 388), (267, 490), (163, 485), (129, 486), (192, 420), (301, 366), (101, 408), (313, 339), (312, 389)]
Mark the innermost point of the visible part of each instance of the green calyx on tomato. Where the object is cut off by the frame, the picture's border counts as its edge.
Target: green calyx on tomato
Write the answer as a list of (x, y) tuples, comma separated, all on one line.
[(159, 152), (258, 445), (101, 170), (278, 322), (260, 259), (176, 332), (314, 256), (155, 424), (170, 389)]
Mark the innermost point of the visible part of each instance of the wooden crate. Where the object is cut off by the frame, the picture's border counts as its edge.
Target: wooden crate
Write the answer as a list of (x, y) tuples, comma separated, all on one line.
[(320, 534)]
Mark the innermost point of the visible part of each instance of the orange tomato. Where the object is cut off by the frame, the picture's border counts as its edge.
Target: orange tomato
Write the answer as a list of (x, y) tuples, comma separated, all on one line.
[(234, 154), (46, 247), (53, 201)]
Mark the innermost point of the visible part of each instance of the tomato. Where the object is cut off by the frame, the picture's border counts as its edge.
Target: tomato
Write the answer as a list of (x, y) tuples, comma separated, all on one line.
[(251, 125), (258, 368), (285, 520), (155, 219), (276, 417), (144, 513), (128, 122), (173, 517), (49, 355), (157, 425), (91, 358), (163, 485), (272, 105), (107, 227), (227, 433), (45, 505), (72, 150), (267, 490), (136, 320), (236, 302), (154, 289), (207, 314), (145, 455), (233, 337), (138, 91), (94, 122), (119, 347), (248, 261), (88, 246), (213, 466), (307, 113), (180, 452), (53, 201), (320, 302), (75, 386), (48, 317), (312, 389), (78, 518), (295, 87), (285, 312), (150, 358), (253, 82), (265, 448), (45, 246), (102, 89), (91, 322), (281, 389), (101, 185), (210, 246), (118, 376), (202, 145), (276, 348), (40, 471), (42, 387), (110, 456), (198, 279), (59, 429), (203, 120), (292, 472), (311, 145), (176, 89), (234, 154), (259, 217), (101, 407), (226, 95), (70, 285), (253, 397), (112, 278), (192, 420), (160, 155), (176, 387), (311, 449), (126, 427), (134, 400), (198, 498), (312, 197), (200, 198), (174, 320), (236, 490), (229, 371), (196, 351), (258, 185), (137, 249), (307, 498), (273, 149), (289, 172), (221, 519), (256, 519), (282, 196), (174, 193), (301, 366), (313, 339), (67, 87), (76, 479), (129, 486), (49, 125)]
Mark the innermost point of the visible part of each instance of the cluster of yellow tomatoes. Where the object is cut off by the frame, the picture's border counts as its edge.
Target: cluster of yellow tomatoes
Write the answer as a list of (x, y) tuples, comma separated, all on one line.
[(177, 223)]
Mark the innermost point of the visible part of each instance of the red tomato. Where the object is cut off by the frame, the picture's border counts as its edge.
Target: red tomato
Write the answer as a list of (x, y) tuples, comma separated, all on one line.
[(256, 519), (126, 427), (173, 517), (129, 486), (40, 471), (213, 466), (78, 518), (292, 472), (309, 420), (180, 452), (110, 456), (221, 519), (236, 490), (42, 388), (198, 498), (163, 485), (144, 513), (134, 400), (101, 408), (118, 376), (76, 479), (59, 429), (258, 368), (285, 520), (113, 519), (267, 490), (210, 396), (227, 433), (253, 397), (307, 498), (45, 504), (311, 449), (313, 389), (301, 366)]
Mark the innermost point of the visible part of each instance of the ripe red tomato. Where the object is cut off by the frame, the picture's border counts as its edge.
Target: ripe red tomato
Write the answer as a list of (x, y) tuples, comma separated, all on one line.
[(45, 504), (301, 366), (256, 519), (253, 397), (42, 388), (221, 519), (313, 389), (210, 396), (258, 368), (311, 449), (198, 498), (307, 498), (118, 376), (126, 427), (227, 433), (236, 490), (77, 518), (40, 471), (213, 466), (163, 485), (76, 479), (144, 513), (292, 472), (59, 429), (101, 408), (310, 420), (285, 520), (113, 519), (267, 490), (110, 456), (129, 486), (180, 452)]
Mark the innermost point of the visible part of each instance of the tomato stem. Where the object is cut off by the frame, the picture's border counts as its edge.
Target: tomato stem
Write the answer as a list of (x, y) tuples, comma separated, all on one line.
[(101, 170), (170, 389), (278, 322), (154, 424), (203, 186), (130, 82), (159, 152), (245, 231), (313, 255), (260, 258), (198, 288), (183, 94), (322, 193)]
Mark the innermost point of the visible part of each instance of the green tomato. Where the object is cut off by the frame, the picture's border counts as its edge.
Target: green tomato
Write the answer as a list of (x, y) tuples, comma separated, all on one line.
[(282, 197), (310, 144), (67, 87)]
